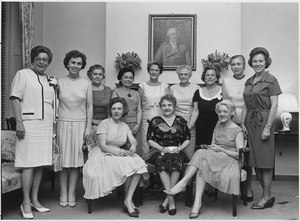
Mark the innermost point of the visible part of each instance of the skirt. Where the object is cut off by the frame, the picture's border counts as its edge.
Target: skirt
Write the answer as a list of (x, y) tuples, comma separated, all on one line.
[(103, 173), (70, 140), (218, 169), (36, 148)]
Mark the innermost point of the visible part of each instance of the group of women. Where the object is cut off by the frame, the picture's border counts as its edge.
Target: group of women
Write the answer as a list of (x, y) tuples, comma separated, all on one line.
[(164, 125)]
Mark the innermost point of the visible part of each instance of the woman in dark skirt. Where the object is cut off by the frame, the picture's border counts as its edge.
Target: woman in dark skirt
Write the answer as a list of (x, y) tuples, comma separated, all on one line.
[(169, 135)]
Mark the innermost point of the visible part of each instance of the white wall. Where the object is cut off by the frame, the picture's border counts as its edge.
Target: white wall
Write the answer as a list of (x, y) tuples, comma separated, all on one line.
[(275, 27), (218, 27), (74, 25)]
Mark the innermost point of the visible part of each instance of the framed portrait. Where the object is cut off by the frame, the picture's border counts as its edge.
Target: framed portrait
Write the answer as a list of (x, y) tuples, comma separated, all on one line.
[(172, 40)]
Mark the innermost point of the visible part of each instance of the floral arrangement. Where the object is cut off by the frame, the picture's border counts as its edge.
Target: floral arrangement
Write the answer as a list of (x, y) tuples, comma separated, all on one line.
[(216, 60), (128, 60), (52, 81)]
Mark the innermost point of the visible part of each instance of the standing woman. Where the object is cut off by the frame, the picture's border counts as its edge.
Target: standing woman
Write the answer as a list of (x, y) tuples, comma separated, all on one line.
[(75, 113), (101, 94), (205, 100), (32, 101), (184, 92), (261, 104), (150, 93), (132, 97)]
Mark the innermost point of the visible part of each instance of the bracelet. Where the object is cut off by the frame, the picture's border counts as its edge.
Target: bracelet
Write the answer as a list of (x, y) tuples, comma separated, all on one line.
[(269, 124)]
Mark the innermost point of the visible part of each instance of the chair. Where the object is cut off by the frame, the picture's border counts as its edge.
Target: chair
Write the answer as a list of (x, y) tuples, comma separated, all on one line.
[(11, 123)]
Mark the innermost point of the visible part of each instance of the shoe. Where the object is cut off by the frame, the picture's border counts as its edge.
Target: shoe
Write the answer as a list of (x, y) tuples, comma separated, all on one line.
[(131, 214), (136, 210), (195, 215), (63, 203), (162, 209), (172, 212), (72, 204), (26, 215), (247, 198), (40, 209), (267, 204)]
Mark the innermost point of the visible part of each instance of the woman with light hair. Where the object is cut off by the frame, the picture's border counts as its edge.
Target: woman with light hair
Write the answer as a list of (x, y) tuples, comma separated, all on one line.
[(218, 164), (184, 92)]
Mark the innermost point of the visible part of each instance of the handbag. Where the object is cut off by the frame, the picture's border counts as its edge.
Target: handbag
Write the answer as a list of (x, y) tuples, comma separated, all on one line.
[(56, 154)]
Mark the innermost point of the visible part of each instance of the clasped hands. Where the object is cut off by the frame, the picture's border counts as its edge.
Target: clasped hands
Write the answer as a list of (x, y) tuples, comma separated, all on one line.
[(215, 148), (130, 152), (170, 149)]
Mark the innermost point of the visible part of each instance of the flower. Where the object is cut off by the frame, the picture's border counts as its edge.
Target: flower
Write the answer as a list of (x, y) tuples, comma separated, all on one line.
[(216, 60), (52, 82), (128, 60)]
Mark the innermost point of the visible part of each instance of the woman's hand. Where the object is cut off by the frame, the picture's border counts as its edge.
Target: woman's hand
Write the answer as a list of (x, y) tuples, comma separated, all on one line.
[(132, 149), (173, 149), (124, 153), (245, 132), (20, 130), (135, 129), (88, 132), (266, 133), (215, 148), (164, 150)]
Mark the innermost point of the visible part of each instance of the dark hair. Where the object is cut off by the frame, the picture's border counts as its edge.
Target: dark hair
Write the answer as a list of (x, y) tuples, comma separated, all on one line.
[(160, 66), (210, 68), (122, 72), (238, 56), (95, 67), (260, 50), (170, 98), (40, 49), (119, 100), (74, 54)]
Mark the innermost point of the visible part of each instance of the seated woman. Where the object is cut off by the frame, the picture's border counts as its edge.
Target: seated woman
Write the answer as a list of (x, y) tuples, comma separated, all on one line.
[(218, 165), (109, 166), (169, 135)]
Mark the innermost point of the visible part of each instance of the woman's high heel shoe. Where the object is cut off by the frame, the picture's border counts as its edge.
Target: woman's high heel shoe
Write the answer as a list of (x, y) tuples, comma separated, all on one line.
[(162, 209), (195, 215), (40, 209), (131, 214), (267, 204), (26, 215)]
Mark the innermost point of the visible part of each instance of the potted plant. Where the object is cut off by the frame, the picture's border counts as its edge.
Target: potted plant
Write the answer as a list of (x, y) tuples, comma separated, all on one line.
[(128, 60), (218, 60)]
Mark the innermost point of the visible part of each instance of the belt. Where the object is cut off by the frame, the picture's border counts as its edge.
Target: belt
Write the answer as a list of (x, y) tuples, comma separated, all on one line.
[(256, 116)]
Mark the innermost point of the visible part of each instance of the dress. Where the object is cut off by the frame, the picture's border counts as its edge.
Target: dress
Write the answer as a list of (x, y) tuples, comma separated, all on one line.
[(101, 100), (257, 99), (184, 108), (207, 117), (150, 107), (216, 168), (36, 148), (103, 172), (133, 100), (233, 89), (71, 123), (168, 135)]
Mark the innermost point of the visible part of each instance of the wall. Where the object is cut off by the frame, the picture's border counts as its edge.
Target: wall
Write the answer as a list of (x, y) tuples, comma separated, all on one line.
[(218, 27), (73, 25), (274, 26)]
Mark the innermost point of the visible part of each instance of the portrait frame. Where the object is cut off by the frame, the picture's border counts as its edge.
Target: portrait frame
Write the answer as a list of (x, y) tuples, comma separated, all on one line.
[(161, 28)]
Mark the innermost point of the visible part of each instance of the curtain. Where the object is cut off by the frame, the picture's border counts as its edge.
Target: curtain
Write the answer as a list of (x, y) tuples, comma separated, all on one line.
[(26, 16)]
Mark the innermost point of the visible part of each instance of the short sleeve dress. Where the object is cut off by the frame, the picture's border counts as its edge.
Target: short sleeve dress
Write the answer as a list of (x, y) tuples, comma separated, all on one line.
[(150, 107), (207, 117), (165, 135), (217, 168), (103, 172), (258, 102)]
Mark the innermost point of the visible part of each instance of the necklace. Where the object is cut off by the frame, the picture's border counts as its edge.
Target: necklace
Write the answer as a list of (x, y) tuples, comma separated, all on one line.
[(73, 78), (239, 78)]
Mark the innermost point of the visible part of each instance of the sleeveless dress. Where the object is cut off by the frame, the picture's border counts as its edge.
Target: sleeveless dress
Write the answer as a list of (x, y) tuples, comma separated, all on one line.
[(184, 108), (150, 108), (216, 168), (104, 172), (207, 117)]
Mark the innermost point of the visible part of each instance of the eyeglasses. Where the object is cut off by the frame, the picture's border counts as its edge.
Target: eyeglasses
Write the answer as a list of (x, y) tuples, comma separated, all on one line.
[(46, 60)]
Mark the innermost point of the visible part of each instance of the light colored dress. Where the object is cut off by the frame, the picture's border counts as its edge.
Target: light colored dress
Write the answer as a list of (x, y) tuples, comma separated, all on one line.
[(233, 89), (184, 97), (36, 148), (150, 108), (216, 168), (72, 115), (103, 172), (258, 102)]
